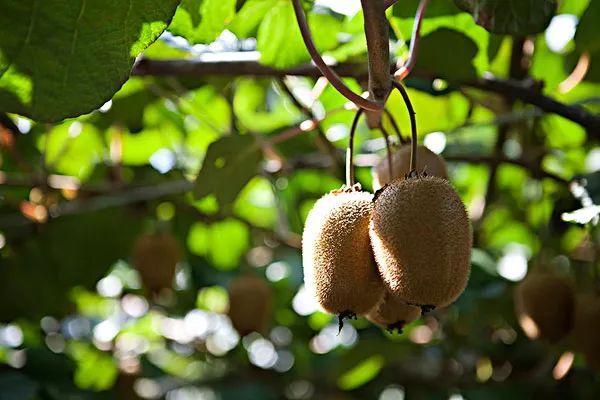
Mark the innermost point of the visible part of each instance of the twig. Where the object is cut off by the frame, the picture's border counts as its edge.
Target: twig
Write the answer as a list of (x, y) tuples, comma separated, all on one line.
[(404, 70), (321, 137), (395, 126), (388, 150), (329, 73)]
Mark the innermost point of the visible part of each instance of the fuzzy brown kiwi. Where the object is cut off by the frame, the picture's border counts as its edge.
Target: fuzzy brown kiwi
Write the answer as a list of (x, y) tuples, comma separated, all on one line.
[(545, 304), (392, 313), (338, 264), (421, 239), (155, 257), (250, 303), (586, 329), (427, 160)]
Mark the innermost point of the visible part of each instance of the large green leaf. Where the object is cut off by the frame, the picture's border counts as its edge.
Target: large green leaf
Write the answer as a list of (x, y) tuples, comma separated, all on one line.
[(229, 165), (279, 40), (60, 59), (513, 17), (448, 53), (202, 21)]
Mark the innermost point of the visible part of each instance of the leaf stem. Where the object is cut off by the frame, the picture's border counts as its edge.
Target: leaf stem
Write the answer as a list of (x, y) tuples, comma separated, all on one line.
[(404, 70), (331, 76)]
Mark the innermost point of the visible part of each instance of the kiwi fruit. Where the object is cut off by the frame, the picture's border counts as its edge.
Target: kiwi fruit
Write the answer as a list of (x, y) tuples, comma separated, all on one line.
[(250, 302), (421, 239), (545, 304), (392, 313), (155, 257), (427, 161), (339, 269), (586, 328)]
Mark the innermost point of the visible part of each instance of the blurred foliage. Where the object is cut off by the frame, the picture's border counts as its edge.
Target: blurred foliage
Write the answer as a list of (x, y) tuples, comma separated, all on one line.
[(221, 165)]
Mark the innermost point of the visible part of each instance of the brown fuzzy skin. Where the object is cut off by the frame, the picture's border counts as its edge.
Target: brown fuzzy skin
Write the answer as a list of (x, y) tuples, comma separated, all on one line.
[(338, 263), (586, 329), (427, 160), (391, 312), (421, 240), (547, 300), (250, 303), (155, 257)]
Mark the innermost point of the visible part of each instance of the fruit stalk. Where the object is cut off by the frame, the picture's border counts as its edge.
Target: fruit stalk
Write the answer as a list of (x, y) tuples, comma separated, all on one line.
[(350, 151), (404, 70), (413, 125)]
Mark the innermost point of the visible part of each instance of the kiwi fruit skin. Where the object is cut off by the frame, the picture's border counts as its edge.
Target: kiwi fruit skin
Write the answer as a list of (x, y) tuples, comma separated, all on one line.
[(390, 312), (339, 269), (547, 300), (250, 304), (421, 239), (427, 160), (155, 257), (586, 329)]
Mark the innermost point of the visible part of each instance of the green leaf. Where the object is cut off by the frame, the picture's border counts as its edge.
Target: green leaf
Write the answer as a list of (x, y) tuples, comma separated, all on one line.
[(202, 21), (222, 243), (229, 165), (60, 59), (448, 54), (279, 40), (362, 373), (513, 17), (249, 17), (95, 369), (586, 36)]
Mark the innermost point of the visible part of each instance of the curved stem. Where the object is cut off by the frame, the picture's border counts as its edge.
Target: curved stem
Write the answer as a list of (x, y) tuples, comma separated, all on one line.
[(350, 150), (331, 76), (386, 138), (413, 125), (404, 70), (395, 126), (388, 3)]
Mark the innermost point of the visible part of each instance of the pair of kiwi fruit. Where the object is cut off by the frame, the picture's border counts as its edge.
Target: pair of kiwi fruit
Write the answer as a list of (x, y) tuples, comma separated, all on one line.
[(250, 304), (389, 255), (155, 257), (547, 307)]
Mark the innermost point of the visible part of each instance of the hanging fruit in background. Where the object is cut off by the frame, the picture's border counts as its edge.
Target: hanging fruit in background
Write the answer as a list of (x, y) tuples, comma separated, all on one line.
[(339, 269), (250, 304), (427, 160), (155, 257), (545, 305)]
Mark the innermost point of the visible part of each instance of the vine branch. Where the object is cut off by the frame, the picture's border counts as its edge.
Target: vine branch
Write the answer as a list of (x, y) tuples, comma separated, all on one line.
[(404, 70), (329, 73), (506, 88)]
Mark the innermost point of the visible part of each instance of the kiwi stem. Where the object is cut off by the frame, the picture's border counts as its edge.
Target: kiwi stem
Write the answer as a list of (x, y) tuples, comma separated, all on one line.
[(404, 70), (413, 125), (395, 126), (329, 73), (350, 150), (386, 137)]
